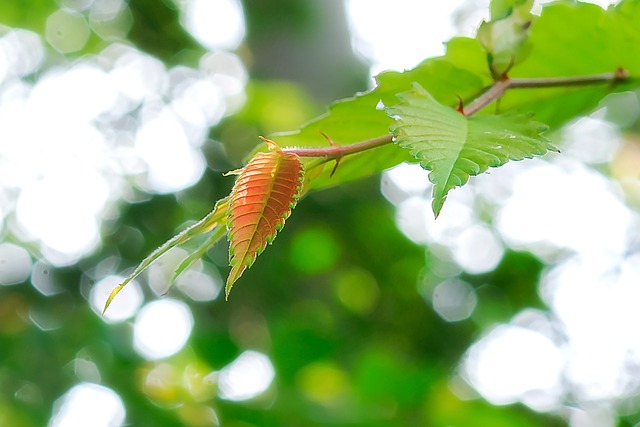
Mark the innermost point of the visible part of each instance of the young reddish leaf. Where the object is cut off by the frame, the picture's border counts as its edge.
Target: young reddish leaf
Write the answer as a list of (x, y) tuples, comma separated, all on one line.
[(261, 200)]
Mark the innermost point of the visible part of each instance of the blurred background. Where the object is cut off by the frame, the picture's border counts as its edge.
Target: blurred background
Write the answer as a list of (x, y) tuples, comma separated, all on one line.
[(517, 307)]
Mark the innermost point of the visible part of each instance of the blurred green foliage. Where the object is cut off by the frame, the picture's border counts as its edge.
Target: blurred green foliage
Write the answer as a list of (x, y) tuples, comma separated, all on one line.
[(334, 303)]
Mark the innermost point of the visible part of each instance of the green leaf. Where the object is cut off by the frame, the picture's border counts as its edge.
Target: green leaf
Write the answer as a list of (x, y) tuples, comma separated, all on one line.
[(362, 117), (596, 41), (261, 200), (214, 221), (454, 147), (505, 36)]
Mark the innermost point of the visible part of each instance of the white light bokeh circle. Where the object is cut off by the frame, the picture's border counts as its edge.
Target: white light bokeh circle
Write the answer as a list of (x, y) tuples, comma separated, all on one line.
[(477, 250), (511, 362), (216, 24), (15, 264), (138, 76), (88, 404), (56, 210), (404, 181), (248, 376), (124, 306), (597, 304), (67, 31), (80, 93), (454, 300), (21, 53), (162, 328), (554, 207), (172, 162), (427, 22), (200, 286), (591, 140)]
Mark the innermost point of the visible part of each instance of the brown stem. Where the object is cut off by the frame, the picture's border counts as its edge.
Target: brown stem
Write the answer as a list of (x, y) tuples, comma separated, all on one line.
[(337, 151), (494, 92), (619, 75), (499, 88)]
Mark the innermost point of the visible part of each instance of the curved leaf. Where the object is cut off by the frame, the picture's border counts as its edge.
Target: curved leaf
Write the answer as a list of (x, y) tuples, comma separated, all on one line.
[(454, 147), (213, 221), (265, 191)]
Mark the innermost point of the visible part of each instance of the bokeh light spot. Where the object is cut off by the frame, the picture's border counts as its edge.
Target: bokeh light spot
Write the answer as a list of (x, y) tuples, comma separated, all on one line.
[(44, 280), (591, 140), (217, 24), (357, 290), (56, 210), (404, 181), (247, 377), (67, 31), (88, 405), (200, 286), (121, 308), (172, 163), (162, 328), (161, 384), (314, 250), (454, 300), (15, 264), (422, 21), (580, 198), (21, 53), (512, 362), (477, 250), (322, 382)]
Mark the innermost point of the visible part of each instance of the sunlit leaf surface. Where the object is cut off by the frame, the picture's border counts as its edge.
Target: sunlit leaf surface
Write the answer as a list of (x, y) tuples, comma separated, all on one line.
[(261, 200), (454, 147)]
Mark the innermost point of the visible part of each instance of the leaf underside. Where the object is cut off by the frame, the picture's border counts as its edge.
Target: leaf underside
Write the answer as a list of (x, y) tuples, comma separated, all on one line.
[(454, 147), (261, 200)]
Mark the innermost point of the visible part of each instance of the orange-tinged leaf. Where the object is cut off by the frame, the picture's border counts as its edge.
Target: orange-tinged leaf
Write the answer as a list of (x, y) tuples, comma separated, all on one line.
[(261, 200)]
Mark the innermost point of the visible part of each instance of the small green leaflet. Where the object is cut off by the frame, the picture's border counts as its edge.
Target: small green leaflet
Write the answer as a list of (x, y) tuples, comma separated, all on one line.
[(214, 223), (454, 147), (505, 37)]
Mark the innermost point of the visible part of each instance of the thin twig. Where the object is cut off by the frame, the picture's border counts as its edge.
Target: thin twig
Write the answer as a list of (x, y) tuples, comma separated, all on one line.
[(493, 93), (618, 76), (498, 89), (337, 151)]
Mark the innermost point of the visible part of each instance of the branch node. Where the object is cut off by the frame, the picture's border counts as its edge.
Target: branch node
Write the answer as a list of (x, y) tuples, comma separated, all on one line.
[(337, 158), (505, 73), (329, 140), (460, 107)]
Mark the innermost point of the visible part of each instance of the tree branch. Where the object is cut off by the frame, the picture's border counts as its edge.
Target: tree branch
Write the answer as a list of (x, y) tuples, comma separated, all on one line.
[(498, 89), (494, 92), (618, 76)]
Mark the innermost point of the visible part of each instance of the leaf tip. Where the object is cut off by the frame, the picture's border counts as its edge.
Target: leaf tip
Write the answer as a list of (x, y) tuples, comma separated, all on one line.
[(436, 205), (112, 295), (236, 271), (270, 144), (227, 288)]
